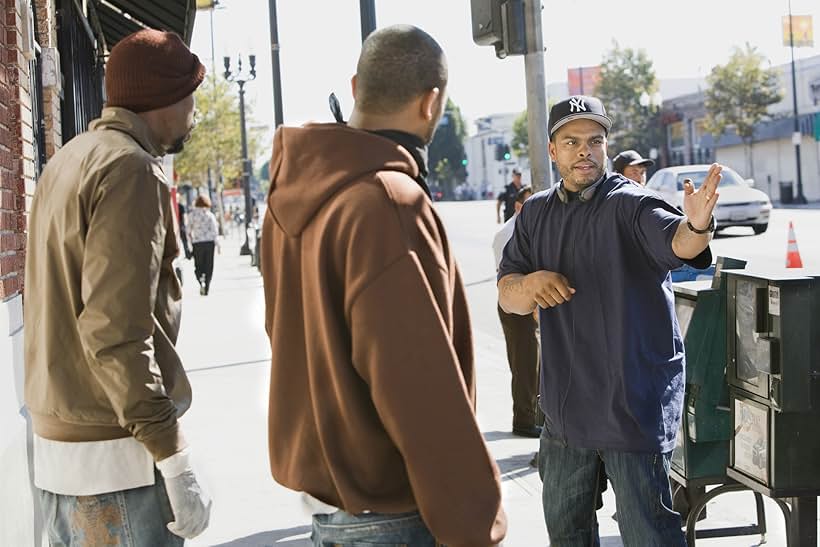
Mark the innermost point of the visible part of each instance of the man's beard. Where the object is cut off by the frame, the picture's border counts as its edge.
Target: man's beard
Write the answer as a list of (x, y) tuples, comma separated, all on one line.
[(177, 145), (567, 175)]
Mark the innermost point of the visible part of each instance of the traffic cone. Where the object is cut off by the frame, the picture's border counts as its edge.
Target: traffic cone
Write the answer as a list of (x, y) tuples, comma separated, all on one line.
[(792, 254)]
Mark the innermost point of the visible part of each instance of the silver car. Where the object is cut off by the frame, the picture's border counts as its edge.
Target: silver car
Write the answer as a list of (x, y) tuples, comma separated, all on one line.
[(739, 204)]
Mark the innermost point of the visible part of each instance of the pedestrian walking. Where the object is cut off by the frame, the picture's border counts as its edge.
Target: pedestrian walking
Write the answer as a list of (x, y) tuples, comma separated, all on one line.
[(372, 393), (104, 384), (521, 339), (594, 254), (204, 230)]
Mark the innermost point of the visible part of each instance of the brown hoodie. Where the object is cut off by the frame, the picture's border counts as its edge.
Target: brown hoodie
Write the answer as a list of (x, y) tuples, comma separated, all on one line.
[(372, 392)]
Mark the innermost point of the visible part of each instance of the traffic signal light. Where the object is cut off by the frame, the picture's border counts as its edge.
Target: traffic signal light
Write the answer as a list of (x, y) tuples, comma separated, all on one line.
[(499, 23), (502, 152), (464, 162)]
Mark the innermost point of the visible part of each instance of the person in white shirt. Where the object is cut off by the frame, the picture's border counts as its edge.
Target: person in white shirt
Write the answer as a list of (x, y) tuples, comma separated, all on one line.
[(522, 343), (204, 230)]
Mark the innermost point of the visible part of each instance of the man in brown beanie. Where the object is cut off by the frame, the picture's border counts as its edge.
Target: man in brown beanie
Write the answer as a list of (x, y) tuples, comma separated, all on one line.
[(104, 384)]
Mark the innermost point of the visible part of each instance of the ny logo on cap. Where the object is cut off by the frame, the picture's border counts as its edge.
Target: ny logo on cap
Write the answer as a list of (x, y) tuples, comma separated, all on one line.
[(577, 104)]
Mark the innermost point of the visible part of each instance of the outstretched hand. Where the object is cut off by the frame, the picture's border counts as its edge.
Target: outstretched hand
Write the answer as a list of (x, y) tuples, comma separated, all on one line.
[(699, 204)]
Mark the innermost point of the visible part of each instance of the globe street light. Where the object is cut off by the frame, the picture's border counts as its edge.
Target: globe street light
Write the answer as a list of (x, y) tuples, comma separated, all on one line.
[(240, 78)]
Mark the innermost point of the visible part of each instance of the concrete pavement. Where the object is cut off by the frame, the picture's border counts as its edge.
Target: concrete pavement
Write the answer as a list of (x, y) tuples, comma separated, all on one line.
[(226, 351)]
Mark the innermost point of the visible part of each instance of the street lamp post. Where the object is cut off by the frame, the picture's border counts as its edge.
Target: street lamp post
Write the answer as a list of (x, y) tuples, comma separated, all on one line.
[(241, 79), (796, 135), (651, 105)]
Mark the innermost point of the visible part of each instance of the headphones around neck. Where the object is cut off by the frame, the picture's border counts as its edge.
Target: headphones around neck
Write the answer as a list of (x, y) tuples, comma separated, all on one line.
[(583, 196)]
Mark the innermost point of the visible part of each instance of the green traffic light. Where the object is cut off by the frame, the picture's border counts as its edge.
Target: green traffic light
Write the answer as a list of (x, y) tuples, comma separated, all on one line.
[(464, 161), (507, 155)]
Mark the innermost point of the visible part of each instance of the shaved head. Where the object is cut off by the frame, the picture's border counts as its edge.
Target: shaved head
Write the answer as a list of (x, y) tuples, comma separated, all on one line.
[(398, 64)]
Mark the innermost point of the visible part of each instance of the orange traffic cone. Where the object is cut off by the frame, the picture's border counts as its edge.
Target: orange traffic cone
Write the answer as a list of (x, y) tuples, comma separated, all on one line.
[(792, 254)]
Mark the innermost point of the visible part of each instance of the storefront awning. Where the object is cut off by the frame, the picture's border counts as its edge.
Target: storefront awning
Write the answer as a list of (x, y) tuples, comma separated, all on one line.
[(119, 18)]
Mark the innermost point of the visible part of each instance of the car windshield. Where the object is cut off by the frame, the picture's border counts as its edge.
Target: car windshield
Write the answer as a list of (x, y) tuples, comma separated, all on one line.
[(730, 178)]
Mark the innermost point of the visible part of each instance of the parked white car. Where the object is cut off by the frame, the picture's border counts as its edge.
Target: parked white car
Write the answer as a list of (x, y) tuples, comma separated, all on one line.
[(738, 205)]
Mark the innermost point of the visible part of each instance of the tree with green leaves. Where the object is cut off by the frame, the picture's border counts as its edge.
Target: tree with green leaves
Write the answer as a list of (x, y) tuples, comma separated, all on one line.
[(446, 156), (739, 95), (626, 74), (521, 137), (216, 141)]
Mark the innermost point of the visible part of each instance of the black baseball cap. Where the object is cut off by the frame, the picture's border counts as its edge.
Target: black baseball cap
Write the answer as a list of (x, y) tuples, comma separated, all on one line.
[(578, 107), (629, 157)]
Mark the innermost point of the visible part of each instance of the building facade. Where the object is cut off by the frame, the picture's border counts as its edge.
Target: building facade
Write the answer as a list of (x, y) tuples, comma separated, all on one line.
[(771, 159)]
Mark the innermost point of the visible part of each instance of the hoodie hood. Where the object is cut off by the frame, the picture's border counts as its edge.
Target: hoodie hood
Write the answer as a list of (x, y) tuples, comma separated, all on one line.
[(311, 163), (122, 119)]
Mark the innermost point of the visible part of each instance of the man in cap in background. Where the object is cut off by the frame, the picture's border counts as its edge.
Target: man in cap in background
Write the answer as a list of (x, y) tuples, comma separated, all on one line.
[(593, 253), (631, 165), (104, 384)]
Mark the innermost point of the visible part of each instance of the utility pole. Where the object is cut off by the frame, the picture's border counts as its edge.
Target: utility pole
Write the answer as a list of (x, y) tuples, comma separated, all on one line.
[(536, 98), (367, 10), (796, 136), (278, 118)]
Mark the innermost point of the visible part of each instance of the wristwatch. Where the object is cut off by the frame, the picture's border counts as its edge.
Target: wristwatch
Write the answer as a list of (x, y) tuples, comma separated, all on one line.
[(709, 229)]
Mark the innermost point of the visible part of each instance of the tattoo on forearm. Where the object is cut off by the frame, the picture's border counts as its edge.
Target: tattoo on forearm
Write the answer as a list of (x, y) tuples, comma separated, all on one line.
[(513, 286)]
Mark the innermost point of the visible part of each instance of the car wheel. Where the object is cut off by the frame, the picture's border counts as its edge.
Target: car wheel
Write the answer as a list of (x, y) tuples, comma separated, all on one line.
[(760, 228)]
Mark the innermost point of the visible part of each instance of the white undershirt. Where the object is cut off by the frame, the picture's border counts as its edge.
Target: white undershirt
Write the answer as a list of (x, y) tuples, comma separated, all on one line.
[(91, 468), (502, 237)]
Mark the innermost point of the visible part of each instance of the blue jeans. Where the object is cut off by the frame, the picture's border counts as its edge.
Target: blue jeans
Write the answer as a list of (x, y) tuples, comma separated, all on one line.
[(642, 491), (128, 518), (342, 529)]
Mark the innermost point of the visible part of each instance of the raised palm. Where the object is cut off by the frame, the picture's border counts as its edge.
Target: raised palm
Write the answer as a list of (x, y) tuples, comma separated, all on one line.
[(699, 204)]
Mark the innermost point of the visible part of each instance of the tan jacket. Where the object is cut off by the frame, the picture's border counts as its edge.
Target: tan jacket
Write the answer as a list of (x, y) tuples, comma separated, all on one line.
[(102, 303), (372, 392)]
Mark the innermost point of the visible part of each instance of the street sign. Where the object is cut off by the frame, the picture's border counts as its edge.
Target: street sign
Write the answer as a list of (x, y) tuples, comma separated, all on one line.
[(817, 126), (803, 31)]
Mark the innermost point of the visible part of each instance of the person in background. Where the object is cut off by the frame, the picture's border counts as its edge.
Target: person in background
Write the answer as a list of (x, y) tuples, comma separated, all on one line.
[(631, 165), (204, 230), (520, 335), (507, 197), (105, 386)]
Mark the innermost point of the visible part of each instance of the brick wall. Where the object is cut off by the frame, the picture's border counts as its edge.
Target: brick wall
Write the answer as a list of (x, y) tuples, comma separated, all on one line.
[(12, 182)]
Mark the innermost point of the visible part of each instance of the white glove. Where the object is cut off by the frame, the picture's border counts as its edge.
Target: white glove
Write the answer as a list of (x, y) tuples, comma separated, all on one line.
[(189, 501)]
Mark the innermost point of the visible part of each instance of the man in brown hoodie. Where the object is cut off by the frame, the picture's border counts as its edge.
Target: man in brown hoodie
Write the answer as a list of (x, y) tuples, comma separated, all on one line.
[(372, 394)]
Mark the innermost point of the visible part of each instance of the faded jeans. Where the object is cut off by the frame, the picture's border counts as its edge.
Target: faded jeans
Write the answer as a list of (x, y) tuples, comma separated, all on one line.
[(642, 492), (371, 530), (128, 518)]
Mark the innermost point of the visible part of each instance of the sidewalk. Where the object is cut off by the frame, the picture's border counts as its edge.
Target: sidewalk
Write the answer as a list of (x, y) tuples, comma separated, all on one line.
[(226, 351)]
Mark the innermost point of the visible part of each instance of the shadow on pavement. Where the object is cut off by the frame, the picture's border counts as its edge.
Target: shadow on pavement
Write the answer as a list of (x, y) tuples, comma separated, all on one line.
[(273, 538), (513, 467), (490, 436)]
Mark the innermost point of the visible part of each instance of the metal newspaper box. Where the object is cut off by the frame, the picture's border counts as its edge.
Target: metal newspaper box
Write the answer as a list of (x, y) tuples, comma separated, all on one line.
[(773, 343)]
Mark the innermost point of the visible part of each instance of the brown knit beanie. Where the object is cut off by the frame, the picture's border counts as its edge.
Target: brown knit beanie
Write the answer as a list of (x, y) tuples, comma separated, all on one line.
[(151, 69)]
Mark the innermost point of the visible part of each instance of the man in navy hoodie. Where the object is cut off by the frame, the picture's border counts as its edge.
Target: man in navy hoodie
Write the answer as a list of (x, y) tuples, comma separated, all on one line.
[(594, 254)]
